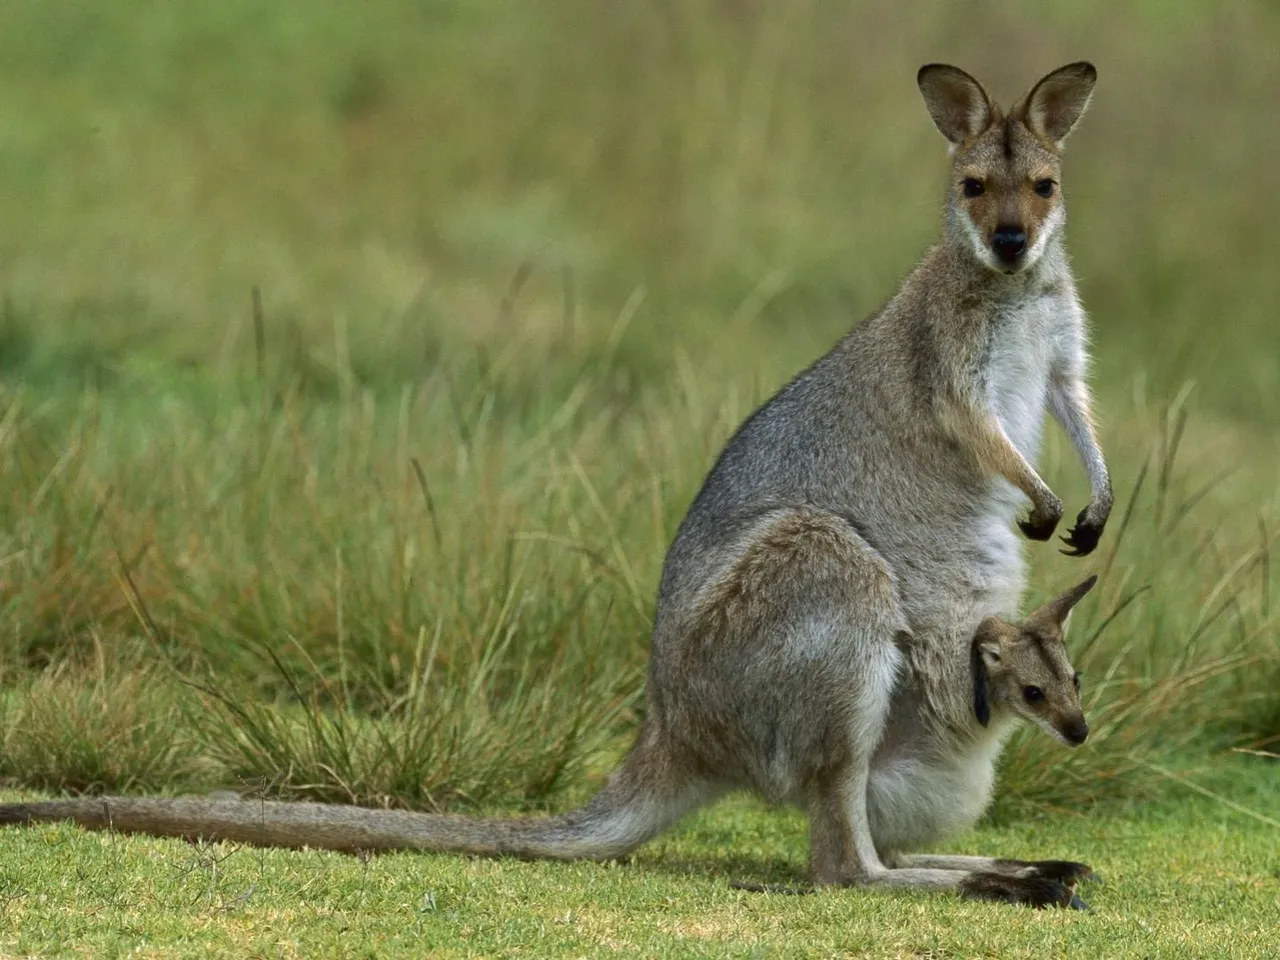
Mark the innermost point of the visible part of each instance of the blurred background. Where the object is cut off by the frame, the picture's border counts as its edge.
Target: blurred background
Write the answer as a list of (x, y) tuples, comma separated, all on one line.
[(763, 171), (367, 337)]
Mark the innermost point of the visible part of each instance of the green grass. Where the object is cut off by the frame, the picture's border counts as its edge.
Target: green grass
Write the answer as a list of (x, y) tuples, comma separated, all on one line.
[(357, 365), (1188, 879)]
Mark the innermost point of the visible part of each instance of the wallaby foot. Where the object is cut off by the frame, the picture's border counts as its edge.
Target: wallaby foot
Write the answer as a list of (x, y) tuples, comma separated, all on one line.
[(1033, 891), (843, 853)]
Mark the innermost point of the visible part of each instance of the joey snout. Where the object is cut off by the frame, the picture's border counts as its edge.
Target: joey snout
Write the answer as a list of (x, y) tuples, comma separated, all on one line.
[(1075, 730)]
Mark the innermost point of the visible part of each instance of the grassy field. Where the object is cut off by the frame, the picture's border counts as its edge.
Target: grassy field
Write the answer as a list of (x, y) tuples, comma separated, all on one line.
[(357, 364), (1189, 878)]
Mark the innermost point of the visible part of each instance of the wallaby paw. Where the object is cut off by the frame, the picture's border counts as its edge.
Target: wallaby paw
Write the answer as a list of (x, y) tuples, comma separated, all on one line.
[(1043, 520), (1068, 871), (1038, 528), (1033, 891), (1084, 536)]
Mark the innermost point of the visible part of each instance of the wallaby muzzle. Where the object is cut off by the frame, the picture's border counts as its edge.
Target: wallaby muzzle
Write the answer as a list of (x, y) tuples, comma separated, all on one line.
[(1009, 244)]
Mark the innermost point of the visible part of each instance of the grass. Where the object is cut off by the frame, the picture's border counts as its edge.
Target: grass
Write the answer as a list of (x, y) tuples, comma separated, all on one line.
[(355, 372), (1190, 878)]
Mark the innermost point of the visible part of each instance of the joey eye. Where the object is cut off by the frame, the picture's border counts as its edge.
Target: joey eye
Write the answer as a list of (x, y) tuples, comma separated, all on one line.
[(1032, 694), (1044, 187), (972, 187), (1075, 680)]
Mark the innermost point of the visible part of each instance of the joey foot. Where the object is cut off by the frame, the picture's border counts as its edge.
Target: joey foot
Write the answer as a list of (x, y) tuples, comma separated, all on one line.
[(1033, 891), (1084, 536), (1043, 520)]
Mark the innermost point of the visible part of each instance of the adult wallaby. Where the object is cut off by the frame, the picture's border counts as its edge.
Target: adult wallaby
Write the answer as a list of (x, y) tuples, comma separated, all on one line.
[(818, 607)]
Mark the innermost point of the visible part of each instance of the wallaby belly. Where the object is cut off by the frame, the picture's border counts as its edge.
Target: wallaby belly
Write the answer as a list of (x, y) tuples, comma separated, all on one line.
[(915, 800)]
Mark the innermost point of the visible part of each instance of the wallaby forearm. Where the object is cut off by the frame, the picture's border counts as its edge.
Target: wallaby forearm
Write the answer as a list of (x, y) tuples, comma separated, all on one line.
[(976, 428), (1070, 406)]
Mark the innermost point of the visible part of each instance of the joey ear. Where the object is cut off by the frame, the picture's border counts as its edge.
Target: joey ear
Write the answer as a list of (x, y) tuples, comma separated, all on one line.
[(981, 688), (1058, 101), (959, 106), (985, 647), (1059, 608)]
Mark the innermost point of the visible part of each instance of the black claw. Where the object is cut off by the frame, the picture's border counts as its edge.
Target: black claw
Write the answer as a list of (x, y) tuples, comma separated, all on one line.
[(1083, 537), (1078, 904), (1083, 540), (1034, 531)]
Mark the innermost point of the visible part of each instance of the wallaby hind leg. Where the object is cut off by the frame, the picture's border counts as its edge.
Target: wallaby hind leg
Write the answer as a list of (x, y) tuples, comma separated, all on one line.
[(844, 853), (788, 654)]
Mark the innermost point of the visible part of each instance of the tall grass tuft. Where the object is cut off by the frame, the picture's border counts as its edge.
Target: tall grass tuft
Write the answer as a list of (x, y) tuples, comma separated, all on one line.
[(106, 723)]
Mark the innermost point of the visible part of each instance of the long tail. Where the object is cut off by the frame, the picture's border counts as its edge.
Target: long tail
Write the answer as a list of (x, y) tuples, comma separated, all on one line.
[(639, 801)]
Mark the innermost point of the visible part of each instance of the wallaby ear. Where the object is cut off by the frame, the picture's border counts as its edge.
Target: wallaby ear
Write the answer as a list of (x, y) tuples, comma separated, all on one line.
[(1059, 608), (985, 647), (959, 106), (1060, 99)]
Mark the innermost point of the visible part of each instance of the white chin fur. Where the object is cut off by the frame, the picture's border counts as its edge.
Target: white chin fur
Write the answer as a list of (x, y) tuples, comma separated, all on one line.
[(1052, 731), (1048, 230), (983, 253)]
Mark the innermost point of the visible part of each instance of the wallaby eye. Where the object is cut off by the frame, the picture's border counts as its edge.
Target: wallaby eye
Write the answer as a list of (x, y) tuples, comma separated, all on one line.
[(1032, 694), (1075, 680), (1044, 188), (972, 187)]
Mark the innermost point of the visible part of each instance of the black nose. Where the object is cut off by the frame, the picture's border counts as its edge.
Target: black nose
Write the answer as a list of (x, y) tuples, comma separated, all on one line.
[(1077, 733), (1008, 243)]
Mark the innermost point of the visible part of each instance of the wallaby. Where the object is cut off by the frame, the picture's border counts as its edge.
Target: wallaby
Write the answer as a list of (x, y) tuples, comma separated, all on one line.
[(817, 608), (931, 776)]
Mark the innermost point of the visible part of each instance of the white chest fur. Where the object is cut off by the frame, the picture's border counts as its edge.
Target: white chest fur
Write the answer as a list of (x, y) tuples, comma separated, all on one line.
[(1025, 337)]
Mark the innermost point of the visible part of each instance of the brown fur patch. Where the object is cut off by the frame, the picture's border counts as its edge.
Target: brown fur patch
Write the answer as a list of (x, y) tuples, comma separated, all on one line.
[(800, 550)]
